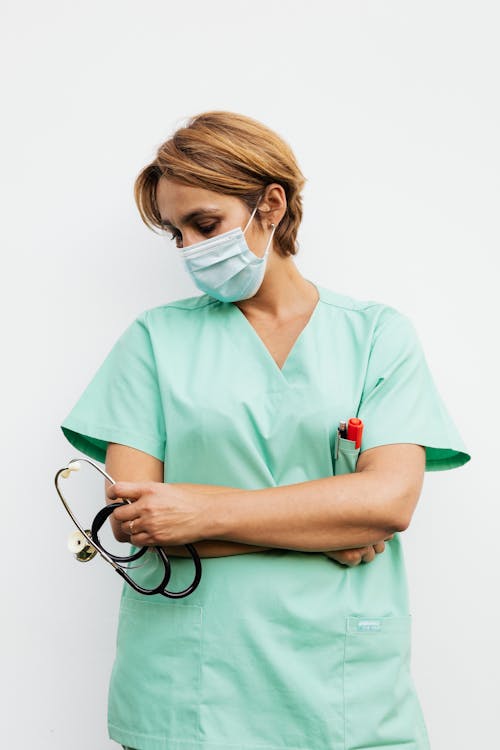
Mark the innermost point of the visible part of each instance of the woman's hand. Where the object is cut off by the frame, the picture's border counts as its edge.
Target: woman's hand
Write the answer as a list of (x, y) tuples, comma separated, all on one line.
[(163, 514), (352, 557)]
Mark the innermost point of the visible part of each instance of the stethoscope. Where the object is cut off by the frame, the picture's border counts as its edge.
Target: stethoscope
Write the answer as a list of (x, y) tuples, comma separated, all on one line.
[(85, 544)]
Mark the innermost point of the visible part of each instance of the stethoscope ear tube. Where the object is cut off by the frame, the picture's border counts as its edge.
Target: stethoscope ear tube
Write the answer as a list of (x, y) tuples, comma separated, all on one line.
[(97, 524), (197, 575)]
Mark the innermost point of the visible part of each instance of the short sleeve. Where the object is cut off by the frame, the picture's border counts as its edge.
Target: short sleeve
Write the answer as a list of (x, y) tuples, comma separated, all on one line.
[(122, 403), (400, 401)]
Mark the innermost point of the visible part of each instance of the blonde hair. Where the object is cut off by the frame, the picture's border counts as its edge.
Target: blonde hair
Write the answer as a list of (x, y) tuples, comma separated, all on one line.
[(227, 153)]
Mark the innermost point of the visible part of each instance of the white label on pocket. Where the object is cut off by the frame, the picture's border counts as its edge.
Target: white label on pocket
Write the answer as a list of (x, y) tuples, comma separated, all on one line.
[(364, 625)]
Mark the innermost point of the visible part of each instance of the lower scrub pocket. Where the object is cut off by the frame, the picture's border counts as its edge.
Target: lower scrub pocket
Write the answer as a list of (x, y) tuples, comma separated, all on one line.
[(381, 708), (155, 682)]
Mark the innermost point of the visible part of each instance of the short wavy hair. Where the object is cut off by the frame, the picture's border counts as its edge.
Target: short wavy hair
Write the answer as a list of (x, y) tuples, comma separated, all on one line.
[(231, 154)]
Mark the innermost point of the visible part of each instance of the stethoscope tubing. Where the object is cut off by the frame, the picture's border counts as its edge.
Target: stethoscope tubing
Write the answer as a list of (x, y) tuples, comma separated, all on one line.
[(115, 560)]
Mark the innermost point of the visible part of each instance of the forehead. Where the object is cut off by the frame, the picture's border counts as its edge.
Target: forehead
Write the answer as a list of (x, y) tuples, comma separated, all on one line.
[(175, 199)]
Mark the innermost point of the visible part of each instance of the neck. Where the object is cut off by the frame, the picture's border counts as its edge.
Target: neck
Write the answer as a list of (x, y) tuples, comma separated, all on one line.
[(284, 292)]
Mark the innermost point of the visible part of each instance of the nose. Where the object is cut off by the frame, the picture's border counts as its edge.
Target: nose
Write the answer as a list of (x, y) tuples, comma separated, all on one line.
[(190, 237)]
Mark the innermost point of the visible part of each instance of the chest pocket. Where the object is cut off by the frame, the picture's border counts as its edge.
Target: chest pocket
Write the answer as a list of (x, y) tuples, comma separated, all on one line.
[(345, 455), (381, 708)]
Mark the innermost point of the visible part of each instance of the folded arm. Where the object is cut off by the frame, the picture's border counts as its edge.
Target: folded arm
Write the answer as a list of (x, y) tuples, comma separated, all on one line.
[(334, 513)]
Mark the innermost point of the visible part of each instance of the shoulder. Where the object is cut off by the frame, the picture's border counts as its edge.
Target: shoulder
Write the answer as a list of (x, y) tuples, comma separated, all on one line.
[(369, 313), (187, 304), (186, 308)]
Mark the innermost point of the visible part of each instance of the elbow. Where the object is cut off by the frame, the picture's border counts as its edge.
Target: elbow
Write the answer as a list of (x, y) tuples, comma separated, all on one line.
[(392, 525), (398, 513), (398, 499), (401, 512), (400, 524)]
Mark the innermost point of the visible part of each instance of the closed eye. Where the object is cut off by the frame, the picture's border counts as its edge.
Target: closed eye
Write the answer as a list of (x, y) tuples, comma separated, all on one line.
[(204, 229), (207, 229)]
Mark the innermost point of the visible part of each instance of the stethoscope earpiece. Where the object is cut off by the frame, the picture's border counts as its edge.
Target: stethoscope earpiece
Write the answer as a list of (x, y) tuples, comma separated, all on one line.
[(72, 466)]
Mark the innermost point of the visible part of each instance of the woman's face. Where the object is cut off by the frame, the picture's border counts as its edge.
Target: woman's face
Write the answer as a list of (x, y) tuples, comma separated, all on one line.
[(194, 214)]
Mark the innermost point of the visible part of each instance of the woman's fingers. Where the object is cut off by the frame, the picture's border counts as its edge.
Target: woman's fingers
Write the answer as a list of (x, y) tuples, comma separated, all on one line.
[(137, 534), (348, 557), (141, 540), (369, 554), (129, 490), (352, 557), (131, 526)]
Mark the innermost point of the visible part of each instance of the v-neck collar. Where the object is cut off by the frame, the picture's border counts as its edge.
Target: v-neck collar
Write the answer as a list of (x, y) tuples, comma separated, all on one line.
[(259, 344)]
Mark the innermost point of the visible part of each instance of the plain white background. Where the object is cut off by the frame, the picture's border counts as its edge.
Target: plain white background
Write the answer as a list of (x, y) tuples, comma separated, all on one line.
[(392, 109)]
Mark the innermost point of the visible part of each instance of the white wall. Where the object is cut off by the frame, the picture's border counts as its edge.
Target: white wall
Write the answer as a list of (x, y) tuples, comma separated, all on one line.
[(393, 111)]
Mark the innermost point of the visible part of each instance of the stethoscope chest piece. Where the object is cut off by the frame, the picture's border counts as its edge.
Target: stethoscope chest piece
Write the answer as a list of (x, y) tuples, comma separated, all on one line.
[(79, 546)]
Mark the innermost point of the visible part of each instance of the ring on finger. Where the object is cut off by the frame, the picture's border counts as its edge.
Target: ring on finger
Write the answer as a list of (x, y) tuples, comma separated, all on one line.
[(131, 526)]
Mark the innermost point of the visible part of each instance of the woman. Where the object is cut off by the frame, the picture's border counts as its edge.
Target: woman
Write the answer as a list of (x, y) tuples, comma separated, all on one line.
[(218, 415)]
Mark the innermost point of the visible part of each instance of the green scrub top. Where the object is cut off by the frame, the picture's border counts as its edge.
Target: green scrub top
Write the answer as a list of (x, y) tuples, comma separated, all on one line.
[(280, 649)]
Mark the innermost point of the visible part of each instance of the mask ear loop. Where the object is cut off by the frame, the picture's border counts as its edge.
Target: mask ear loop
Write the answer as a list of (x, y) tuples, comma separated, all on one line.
[(269, 240), (252, 214), (273, 226)]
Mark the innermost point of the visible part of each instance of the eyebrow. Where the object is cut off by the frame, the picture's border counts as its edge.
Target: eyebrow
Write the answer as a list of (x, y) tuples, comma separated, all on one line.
[(191, 215)]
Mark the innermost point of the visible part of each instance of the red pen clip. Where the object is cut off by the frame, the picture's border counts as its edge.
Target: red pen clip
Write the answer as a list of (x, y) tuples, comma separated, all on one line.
[(355, 430)]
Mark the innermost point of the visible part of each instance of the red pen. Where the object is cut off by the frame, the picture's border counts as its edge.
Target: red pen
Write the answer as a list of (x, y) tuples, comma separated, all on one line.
[(355, 430)]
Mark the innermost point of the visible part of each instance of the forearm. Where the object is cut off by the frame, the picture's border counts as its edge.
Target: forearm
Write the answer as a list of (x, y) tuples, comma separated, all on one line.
[(205, 548), (223, 548), (215, 548), (340, 512), (210, 547)]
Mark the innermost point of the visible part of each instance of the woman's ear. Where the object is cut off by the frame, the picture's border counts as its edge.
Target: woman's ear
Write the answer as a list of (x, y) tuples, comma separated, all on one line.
[(272, 205)]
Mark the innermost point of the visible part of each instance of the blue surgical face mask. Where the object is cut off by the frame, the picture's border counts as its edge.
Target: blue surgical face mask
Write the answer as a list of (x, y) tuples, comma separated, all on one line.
[(224, 266)]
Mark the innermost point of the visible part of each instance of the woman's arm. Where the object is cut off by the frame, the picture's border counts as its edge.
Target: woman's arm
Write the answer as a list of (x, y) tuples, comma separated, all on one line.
[(339, 512), (128, 464), (131, 464)]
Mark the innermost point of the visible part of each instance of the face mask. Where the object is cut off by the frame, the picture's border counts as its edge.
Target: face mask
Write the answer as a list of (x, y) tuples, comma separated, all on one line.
[(224, 266)]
